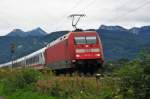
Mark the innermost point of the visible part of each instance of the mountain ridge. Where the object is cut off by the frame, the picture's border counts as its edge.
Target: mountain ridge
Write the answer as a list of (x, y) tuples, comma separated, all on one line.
[(20, 33), (134, 30), (117, 42), (40, 32)]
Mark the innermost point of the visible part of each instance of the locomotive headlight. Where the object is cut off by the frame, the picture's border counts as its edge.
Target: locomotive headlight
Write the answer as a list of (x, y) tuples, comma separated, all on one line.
[(77, 55), (98, 54), (73, 61)]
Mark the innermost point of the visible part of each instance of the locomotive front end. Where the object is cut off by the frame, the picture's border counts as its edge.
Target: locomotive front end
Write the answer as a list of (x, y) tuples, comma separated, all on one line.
[(88, 53)]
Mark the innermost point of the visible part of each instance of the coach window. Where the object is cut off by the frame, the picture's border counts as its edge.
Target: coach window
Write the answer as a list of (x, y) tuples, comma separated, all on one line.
[(91, 39), (80, 40)]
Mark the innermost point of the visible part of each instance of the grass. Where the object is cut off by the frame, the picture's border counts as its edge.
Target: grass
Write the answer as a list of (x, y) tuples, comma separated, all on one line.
[(24, 94), (20, 84), (32, 84), (28, 95)]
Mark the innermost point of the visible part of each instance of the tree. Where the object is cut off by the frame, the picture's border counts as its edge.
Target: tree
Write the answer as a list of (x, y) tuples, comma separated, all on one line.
[(135, 78), (12, 50)]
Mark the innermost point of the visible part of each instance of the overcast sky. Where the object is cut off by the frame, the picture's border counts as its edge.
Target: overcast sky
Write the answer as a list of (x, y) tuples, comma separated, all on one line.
[(52, 15)]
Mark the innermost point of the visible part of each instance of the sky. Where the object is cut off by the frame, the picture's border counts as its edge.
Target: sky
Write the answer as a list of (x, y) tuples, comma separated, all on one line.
[(52, 15)]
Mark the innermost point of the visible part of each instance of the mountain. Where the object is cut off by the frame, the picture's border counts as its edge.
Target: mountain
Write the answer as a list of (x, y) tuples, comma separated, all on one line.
[(135, 30), (19, 33), (141, 31), (25, 45), (118, 42), (112, 28), (36, 32), (144, 30)]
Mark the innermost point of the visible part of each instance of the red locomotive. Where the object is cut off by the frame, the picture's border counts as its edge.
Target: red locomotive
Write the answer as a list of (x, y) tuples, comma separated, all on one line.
[(80, 51), (76, 51)]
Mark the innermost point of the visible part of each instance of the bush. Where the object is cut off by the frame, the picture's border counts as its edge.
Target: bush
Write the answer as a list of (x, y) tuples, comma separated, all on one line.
[(135, 76), (20, 79)]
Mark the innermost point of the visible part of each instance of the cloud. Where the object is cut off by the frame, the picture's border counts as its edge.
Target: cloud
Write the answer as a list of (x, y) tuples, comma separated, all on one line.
[(52, 15)]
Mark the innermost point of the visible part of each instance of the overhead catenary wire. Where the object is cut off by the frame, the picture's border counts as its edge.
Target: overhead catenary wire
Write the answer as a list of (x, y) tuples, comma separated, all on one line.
[(124, 15), (91, 2), (142, 5), (81, 10), (125, 4), (118, 17), (66, 14), (87, 6)]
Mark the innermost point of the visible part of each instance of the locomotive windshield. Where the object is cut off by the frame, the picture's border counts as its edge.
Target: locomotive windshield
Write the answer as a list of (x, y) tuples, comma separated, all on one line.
[(80, 40), (85, 40), (91, 40)]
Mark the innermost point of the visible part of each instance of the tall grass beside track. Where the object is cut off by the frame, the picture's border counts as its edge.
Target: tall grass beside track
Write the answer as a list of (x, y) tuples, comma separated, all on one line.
[(132, 81), (32, 84)]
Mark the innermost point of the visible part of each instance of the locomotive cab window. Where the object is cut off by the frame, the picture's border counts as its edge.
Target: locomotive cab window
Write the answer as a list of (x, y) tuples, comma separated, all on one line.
[(80, 40), (85, 40), (91, 40)]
